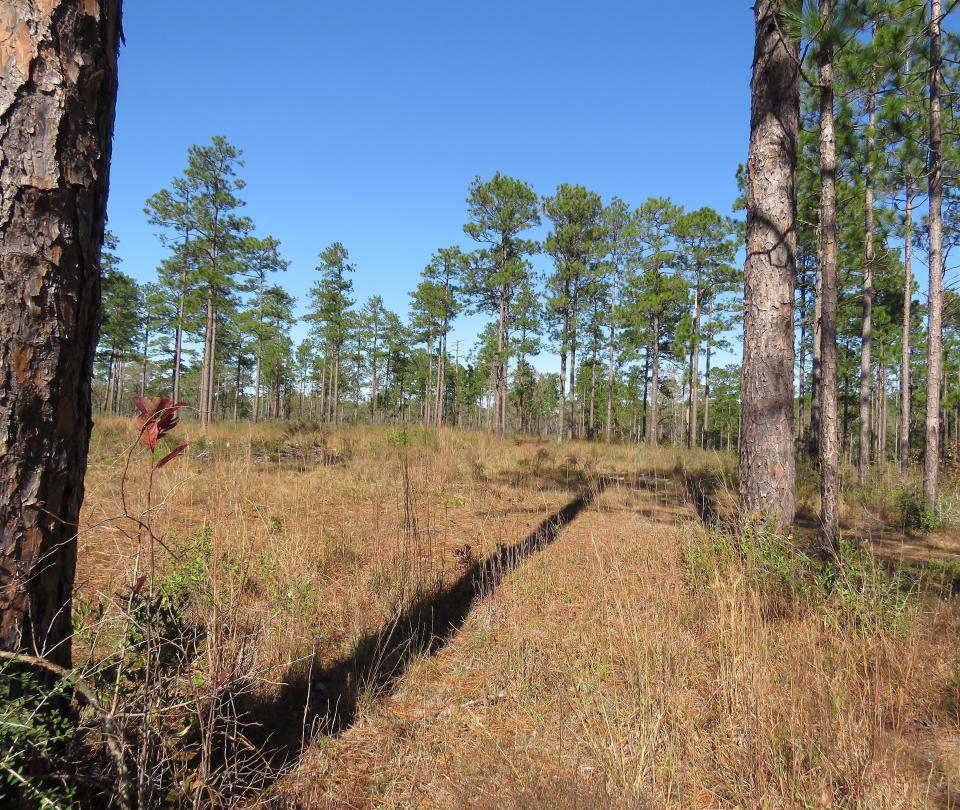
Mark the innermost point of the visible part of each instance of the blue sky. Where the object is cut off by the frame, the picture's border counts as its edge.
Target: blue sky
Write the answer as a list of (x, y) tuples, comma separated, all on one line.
[(364, 123)]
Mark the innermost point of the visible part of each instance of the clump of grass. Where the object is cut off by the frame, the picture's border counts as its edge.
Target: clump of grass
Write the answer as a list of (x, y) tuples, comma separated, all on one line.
[(769, 560)]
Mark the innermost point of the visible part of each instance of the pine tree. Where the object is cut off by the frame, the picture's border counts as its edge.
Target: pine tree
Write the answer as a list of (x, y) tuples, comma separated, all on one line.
[(656, 297), (329, 304), (575, 243), (706, 249), (767, 462), (499, 211)]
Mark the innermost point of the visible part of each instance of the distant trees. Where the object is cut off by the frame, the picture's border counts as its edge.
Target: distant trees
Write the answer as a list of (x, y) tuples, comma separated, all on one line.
[(615, 271)]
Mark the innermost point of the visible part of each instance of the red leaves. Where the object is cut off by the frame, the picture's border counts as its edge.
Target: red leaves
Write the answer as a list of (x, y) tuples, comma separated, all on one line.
[(172, 454), (157, 417)]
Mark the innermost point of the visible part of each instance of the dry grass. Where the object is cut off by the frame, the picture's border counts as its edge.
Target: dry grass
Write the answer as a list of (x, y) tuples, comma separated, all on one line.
[(633, 662)]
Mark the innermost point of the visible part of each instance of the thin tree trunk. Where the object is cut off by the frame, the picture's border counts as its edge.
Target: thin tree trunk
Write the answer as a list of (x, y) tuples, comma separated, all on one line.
[(257, 384), (931, 455), (653, 423), (646, 379), (866, 333), (563, 394), (695, 364), (704, 436), (612, 347), (829, 428), (336, 388), (206, 374), (593, 395), (816, 366), (144, 367), (802, 367), (573, 369), (56, 124), (767, 463), (903, 427), (178, 343)]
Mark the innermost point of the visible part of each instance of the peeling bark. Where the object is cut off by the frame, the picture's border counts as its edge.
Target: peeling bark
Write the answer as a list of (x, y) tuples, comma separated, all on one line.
[(57, 100)]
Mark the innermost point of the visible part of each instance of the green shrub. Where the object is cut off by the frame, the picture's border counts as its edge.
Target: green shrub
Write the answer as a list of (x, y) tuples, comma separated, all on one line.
[(862, 594), (856, 590), (917, 513), (769, 560), (35, 730)]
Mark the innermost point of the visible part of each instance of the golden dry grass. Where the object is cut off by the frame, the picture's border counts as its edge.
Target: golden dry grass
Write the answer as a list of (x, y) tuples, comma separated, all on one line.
[(599, 673)]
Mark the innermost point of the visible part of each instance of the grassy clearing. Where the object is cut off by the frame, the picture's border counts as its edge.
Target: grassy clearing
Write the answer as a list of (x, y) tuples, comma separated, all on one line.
[(638, 660)]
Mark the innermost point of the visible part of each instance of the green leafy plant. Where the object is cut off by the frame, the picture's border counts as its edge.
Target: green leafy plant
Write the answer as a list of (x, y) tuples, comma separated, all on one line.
[(917, 513)]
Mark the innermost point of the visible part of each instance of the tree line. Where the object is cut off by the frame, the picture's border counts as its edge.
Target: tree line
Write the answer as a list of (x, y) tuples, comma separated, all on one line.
[(637, 302)]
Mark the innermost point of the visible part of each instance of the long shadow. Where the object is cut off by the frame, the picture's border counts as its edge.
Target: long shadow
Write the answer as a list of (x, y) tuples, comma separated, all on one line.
[(325, 699)]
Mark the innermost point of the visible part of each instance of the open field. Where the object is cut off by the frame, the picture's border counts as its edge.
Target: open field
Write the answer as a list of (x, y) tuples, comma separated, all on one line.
[(373, 617)]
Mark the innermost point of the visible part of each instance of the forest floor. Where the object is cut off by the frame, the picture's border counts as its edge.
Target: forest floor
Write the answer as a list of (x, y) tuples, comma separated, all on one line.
[(445, 619)]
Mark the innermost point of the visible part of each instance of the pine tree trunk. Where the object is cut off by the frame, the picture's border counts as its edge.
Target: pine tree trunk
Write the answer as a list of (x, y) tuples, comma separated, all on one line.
[(829, 427), (653, 423), (694, 364), (438, 402), (57, 101), (178, 349), (704, 434), (373, 380), (866, 334), (767, 463), (144, 367), (903, 426), (646, 382), (206, 374), (593, 395), (336, 388), (611, 367), (500, 383), (816, 369), (256, 380), (572, 431), (931, 455), (563, 394)]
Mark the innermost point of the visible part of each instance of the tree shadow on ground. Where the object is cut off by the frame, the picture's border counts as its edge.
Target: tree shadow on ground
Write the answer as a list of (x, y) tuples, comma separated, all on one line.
[(325, 699)]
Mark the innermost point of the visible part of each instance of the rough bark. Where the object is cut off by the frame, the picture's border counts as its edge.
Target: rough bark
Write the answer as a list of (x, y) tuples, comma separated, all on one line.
[(57, 98), (931, 455), (767, 463), (829, 424)]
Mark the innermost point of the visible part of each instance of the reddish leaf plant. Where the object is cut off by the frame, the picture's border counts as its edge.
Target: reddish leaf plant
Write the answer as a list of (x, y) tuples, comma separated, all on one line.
[(157, 417)]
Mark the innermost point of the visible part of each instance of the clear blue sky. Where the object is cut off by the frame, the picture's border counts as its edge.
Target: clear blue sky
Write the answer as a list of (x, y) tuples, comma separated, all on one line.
[(365, 122)]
